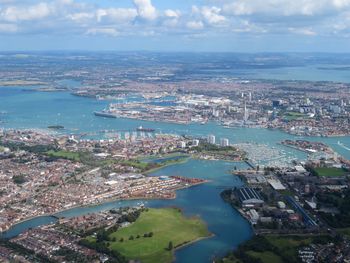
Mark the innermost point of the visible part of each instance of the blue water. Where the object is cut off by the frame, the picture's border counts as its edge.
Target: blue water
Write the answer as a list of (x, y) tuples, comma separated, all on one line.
[(303, 73), (39, 110), (164, 159)]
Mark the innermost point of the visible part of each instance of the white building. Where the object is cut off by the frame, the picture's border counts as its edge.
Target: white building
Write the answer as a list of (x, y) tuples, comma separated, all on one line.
[(216, 113), (182, 144), (195, 143), (211, 139), (281, 205), (254, 216), (224, 142)]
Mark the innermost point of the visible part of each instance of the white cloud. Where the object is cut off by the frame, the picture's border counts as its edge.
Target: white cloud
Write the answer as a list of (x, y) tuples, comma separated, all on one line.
[(303, 31), (304, 17), (212, 15), (195, 25), (284, 7), (145, 9), (209, 15), (81, 17), (341, 3), (34, 12), (172, 13), (8, 28), (103, 31), (116, 14), (171, 18)]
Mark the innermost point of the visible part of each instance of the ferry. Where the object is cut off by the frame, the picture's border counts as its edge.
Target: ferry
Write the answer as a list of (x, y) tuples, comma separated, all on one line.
[(343, 146), (142, 129), (105, 114)]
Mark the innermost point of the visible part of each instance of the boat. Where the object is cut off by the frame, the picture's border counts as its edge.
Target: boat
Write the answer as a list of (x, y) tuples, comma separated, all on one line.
[(343, 146), (142, 129), (56, 127), (105, 114)]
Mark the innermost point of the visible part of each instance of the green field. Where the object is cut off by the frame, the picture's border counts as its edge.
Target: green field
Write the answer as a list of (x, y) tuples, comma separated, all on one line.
[(74, 156), (344, 231), (267, 256), (330, 172), (167, 225), (271, 249), (288, 245), (290, 116)]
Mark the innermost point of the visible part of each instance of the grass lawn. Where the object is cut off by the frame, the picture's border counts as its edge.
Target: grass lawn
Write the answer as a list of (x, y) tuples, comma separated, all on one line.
[(272, 248), (344, 231), (232, 260), (293, 115), (266, 257), (65, 155), (139, 165), (288, 245), (286, 192), (330, 172), (167, 225)]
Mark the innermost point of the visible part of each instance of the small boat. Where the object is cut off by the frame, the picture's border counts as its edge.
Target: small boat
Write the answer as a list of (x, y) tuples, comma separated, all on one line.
[(105, 114), (142, 129)]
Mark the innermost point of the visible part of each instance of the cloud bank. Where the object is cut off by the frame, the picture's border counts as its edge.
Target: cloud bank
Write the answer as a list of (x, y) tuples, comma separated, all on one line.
[(310, 18)]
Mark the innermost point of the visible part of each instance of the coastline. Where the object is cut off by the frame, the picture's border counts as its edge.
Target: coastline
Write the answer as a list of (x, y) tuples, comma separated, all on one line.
[(306, 135), (190, 243), (55, 215), (294, 147), (301, 149), (153, 120), (21, 83), (180, 161), (215, 159)]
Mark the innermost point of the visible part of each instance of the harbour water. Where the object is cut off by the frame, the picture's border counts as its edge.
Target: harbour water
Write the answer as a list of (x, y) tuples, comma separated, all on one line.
[(37, 110)]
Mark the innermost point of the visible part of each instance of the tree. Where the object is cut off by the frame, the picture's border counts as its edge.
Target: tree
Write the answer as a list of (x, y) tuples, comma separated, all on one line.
[(102, 235), (131, 237), (19, 179), (121, 240), (170, 246)]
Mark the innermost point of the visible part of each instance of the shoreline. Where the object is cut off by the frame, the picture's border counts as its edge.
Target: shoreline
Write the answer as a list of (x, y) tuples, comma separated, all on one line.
[(315, 136), (55, 215), (304, 150), (215, 159), (181, 161), (190, 243), (294, 147), (21, 83)]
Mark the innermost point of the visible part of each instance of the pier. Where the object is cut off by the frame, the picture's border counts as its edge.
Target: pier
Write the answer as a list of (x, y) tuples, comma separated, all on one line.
[(250, 164)]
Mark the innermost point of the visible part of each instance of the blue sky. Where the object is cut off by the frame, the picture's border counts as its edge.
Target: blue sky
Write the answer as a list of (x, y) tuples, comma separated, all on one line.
[(176, 25)]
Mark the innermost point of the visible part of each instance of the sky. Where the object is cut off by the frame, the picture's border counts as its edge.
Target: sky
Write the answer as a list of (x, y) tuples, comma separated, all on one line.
[(176, 25)]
